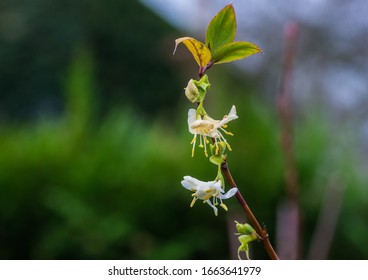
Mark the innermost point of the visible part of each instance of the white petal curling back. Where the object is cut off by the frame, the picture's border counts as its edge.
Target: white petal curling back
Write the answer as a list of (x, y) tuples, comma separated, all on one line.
[(207, 190), (229, 193), (231, 116)]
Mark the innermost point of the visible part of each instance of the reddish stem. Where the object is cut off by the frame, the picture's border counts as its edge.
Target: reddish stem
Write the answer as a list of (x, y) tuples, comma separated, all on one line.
[(289, 213), (262, 232)]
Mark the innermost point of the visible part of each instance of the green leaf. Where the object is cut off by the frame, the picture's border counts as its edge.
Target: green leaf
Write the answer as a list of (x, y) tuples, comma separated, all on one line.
[(200, 52), (234, 51), (218, 160), (222, 29)]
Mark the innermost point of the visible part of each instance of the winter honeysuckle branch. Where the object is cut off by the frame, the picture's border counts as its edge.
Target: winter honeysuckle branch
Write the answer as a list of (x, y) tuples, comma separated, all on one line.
[(219, 47)]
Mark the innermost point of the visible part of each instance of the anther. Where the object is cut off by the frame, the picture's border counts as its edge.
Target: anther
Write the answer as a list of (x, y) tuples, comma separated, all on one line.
[(224, 207)]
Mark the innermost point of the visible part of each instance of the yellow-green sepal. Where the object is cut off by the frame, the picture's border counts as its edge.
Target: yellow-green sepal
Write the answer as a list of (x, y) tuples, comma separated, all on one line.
[(218, 160)]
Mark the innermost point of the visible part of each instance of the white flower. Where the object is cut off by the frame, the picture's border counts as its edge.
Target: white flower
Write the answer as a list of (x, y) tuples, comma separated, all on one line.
[(208, 127), (207, 190)]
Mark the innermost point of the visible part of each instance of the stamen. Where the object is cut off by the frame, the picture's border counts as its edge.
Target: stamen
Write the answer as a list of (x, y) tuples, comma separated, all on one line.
[(215, 200), (226, 132), (193, 201), (217, 148), (222, 137), (193, 142), (200, 142), (224, 207), (205, 147)]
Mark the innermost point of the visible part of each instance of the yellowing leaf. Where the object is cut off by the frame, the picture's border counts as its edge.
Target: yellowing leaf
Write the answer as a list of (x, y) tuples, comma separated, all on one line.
[(235, 51), (200, 52)]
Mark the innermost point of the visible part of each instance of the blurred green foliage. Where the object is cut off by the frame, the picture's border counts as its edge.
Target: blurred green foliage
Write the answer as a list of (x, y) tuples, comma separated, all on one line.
[(101, 180), (69, 190), (129, 43)]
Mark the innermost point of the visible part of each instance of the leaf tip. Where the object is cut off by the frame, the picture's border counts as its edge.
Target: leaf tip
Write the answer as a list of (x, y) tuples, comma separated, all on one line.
[(231, 6), (176, 45), (175, 49)]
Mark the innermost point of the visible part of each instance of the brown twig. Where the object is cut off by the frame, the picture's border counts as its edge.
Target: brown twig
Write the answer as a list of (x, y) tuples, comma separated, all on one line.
[(284, 107), (289, 214), (262, 232)]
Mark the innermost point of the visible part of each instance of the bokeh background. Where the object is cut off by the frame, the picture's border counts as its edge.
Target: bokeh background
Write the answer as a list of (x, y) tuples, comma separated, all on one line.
[(94, 140)]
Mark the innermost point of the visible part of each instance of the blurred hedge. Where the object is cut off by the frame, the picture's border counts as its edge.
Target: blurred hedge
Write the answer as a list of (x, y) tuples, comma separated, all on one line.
[(131, 46)]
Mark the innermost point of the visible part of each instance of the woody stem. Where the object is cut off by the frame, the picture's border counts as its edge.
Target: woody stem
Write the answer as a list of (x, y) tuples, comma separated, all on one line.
[(262, 232)]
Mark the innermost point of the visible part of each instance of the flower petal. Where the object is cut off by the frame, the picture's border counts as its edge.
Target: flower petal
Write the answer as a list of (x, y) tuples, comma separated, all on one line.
[(229, 193), (218, 186), (191, 118), (190, 183), (231, 116), (233, 112)]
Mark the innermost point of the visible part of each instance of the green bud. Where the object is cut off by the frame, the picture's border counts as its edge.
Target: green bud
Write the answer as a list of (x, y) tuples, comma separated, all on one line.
[(192, 92), (245, 239), (244, 228), (222, 147), (213, 149), (246, 235), (218, 149)]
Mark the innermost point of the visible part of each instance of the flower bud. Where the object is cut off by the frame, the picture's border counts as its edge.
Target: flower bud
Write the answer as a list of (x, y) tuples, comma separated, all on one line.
[(192, 92), (244, 228), (196, 90), (246, 234)]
